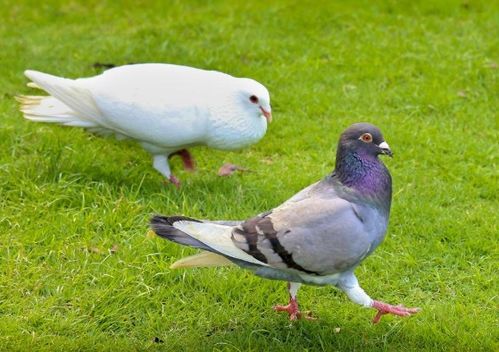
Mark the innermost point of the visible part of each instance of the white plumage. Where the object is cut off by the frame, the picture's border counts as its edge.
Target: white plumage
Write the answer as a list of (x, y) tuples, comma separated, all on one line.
[(166, 108)]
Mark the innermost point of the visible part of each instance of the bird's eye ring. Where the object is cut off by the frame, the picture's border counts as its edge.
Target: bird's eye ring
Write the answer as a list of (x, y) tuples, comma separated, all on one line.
[(366, 138), (253, 99)]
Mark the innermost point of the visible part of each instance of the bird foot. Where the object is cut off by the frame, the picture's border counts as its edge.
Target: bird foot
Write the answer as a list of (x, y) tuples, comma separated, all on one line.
[(228, 169), (293, 311), (385, 308), (175, 181), (187, 159)]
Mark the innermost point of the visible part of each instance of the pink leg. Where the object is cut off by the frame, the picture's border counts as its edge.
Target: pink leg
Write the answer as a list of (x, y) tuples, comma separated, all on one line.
[(186, 159), (292, 307), (385, 308), (173, 180)]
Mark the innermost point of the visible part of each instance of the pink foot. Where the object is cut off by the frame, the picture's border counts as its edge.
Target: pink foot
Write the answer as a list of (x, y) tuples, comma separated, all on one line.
[(187, 159), (228, 169), (175, 181), (385, 308), (293, 311)]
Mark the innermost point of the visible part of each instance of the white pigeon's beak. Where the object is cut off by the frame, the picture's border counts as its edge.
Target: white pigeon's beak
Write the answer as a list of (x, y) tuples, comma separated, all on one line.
[(385, 149), (267, 114)]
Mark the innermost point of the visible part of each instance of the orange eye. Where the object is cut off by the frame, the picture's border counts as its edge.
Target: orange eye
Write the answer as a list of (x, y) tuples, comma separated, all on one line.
[(253, 99), (366, 137)]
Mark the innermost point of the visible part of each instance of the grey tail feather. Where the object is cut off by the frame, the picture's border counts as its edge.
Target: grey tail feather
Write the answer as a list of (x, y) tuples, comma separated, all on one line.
[(163, 227)]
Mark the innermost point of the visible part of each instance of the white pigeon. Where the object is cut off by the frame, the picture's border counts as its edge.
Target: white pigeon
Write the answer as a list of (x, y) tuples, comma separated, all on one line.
[(166, 108)]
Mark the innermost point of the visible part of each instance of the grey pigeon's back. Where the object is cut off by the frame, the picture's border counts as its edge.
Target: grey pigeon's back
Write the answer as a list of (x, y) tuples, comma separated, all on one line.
[(315, 232)]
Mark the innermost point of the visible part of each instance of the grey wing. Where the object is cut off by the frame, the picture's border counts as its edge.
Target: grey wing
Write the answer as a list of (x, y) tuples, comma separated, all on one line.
[(315, 232), (226, 222)]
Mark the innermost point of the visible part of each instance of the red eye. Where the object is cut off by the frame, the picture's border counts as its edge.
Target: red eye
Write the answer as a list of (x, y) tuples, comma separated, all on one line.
[(366, 137), (253, 99)]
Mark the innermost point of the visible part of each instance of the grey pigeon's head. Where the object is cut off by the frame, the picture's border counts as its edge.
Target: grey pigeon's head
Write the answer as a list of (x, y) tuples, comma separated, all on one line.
[(358, 166), (365, 139)]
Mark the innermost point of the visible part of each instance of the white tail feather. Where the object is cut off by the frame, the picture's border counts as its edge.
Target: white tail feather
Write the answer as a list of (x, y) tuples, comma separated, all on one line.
[(69, 105), (33, 85), (218, 237), (203, 259), (68, 92), (50, 109)]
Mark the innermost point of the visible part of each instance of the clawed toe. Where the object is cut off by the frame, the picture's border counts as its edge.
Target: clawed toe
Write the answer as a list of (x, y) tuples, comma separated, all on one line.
[(385, 308), (308, 315), (294, 312), (173, 180)]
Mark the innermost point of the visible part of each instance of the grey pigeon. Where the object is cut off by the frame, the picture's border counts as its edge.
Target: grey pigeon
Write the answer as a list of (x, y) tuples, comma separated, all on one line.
[(318, 237)]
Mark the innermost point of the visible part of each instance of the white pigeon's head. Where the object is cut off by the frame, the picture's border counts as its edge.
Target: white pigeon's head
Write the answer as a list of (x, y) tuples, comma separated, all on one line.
[(255, 98)]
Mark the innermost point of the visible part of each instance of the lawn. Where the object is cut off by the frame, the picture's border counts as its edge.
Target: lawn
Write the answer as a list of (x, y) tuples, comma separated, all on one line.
[(77, 268)]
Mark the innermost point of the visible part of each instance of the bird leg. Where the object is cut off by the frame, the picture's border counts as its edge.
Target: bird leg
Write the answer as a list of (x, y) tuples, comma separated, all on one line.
[(187, 159), (292, 307), (385, 308), (351, 287), (160, 163), (175, 181)]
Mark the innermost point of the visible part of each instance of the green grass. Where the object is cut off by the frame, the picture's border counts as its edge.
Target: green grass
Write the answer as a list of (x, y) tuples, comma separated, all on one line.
[(425, 73)]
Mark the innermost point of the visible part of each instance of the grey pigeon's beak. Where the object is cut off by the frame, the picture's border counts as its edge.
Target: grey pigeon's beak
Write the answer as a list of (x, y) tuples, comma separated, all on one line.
[(267, 114), (385, 149)]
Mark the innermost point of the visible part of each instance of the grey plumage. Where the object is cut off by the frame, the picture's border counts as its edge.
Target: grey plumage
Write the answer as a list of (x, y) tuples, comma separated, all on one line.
[(318, 236)]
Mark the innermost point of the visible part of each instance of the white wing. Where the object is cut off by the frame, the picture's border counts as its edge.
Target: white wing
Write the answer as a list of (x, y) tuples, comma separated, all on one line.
[(167, 105)]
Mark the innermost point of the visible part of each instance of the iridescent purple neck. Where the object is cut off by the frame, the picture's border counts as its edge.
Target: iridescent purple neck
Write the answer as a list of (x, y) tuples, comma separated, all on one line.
[(365, 174)]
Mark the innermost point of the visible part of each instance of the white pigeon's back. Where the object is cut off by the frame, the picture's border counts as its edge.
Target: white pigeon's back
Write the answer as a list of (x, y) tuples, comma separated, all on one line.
[(167, 105)]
